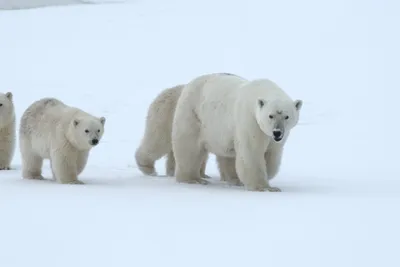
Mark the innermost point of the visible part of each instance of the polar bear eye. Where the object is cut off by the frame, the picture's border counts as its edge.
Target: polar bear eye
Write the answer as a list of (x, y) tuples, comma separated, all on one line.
[(1, 104), (98, 131), (271, 116), (286, 117), (86, 131)]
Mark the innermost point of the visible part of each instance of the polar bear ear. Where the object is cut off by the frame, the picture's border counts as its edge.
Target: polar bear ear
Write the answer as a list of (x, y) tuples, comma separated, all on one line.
[(102, 120), (76, 122), (261, 102), (298, 104), (9, 95)]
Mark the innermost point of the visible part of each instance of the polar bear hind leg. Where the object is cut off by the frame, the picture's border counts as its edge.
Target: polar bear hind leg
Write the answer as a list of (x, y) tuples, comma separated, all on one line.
[(227, 170), (154, 146), (203, 168), (170, 164)]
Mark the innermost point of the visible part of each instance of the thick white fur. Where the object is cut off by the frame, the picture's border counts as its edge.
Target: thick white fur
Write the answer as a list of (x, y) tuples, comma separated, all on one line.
[(156, 141), (50, 129), (7, 130), (229, 116)]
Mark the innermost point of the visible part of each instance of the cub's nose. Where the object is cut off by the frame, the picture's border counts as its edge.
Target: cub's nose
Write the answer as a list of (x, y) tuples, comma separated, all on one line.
[(95, 141), (277, 133)]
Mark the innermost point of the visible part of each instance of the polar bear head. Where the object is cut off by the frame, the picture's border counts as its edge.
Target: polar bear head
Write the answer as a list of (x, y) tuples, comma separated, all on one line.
[(86, 132), (277, 117), (7, 114)]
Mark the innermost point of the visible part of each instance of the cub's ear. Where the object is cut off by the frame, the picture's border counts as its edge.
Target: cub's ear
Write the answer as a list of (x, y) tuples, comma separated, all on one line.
[(76, 122), (9, 95), (298, 104), (102, 120), (261, 103)]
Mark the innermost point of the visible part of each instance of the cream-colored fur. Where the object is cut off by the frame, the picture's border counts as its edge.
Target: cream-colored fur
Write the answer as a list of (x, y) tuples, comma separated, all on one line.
[(236, 120), (7, 130), (50, 129), (156, 141)]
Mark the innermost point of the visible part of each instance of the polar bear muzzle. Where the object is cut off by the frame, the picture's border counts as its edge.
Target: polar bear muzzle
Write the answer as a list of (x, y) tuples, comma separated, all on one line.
[(94, 141)]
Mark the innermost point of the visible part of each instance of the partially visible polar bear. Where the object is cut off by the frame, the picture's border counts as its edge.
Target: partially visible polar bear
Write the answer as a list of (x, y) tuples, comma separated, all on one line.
[(245, 122), (50, 129), (156, 141), (7, 130)]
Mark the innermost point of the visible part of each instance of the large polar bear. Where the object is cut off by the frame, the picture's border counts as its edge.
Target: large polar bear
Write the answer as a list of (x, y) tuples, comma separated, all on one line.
[(7, 130), (50, 129), (244, 122)]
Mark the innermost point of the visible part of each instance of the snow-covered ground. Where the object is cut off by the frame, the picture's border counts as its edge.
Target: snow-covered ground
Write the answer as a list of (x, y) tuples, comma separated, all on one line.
[(340, 175)]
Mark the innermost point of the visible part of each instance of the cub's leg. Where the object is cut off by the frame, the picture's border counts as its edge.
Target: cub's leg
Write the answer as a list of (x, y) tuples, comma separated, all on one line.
[(64, 167)]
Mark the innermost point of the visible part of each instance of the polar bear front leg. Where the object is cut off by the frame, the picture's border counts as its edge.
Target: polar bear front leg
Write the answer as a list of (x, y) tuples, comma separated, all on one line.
[(227, 170), (64, 167), (6, 155), (81, 161), (252, 170), (189, 159), (170, 166), (273, 158), (189, 155)]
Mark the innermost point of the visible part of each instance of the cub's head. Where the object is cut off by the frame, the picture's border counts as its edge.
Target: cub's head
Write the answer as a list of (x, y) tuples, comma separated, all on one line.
[(7, 114), (276, 118), (87, 131)]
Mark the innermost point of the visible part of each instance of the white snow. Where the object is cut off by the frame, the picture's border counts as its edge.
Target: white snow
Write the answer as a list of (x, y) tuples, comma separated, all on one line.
[(340, 174)]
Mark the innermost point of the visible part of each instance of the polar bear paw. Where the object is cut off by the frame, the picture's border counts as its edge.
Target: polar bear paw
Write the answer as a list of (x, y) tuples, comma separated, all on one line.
[(263, 188), (234, 182), (35, 177), (205, 176), (149, 170), (74, 182), (273, 189), (194, 181)]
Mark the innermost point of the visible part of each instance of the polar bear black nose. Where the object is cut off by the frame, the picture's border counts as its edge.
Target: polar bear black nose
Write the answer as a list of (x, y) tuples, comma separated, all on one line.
[(95, 141), (277, 133)]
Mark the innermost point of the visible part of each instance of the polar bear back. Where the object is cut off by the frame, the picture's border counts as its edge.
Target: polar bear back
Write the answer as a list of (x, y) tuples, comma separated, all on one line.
[(264, 89), (214, 95), (46, 119), (212, 99)]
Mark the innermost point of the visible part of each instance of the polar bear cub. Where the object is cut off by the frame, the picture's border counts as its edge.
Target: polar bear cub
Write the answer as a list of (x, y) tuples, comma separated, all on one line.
[(245, 122), (7, 130), (49, 129), (156, 141)]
